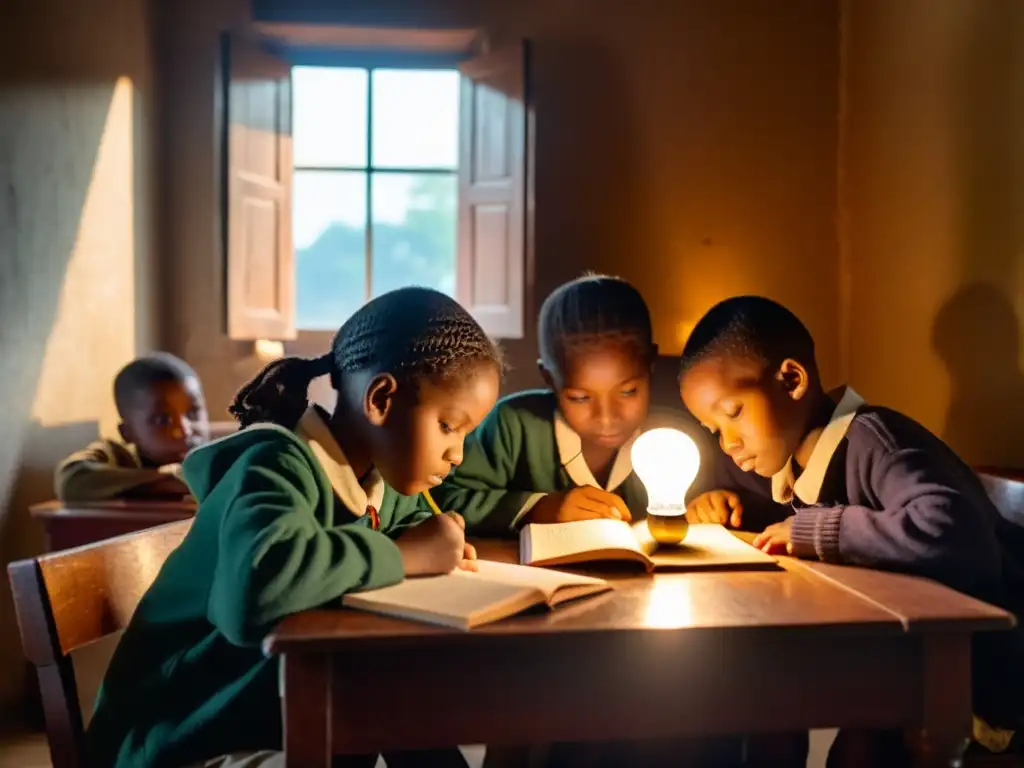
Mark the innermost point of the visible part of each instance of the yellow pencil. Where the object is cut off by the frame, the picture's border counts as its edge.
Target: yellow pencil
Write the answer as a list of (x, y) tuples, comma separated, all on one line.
[(431, 502)]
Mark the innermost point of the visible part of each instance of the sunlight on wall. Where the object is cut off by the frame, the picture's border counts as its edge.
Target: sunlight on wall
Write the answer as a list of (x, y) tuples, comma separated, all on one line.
[(99, 287)]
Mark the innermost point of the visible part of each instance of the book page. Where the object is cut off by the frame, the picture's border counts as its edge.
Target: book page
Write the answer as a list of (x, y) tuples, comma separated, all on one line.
[(451, 600), (644, 539), (710, 546), (464, 599), (547, 542), (547, 581)]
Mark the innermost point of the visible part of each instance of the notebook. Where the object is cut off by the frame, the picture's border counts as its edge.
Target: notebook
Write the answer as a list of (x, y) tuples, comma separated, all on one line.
[(706, 546), (464, 599)]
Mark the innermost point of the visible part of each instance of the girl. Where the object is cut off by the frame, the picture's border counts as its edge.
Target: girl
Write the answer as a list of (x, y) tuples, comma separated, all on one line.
[(295, 510), (563, 454)]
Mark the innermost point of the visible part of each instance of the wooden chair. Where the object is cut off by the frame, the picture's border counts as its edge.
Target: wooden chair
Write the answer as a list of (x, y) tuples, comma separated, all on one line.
[(1005, 488), (66, 600)]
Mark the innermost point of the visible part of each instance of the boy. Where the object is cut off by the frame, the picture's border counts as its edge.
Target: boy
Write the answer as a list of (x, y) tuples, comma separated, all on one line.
[(868, 486), (163, 416)]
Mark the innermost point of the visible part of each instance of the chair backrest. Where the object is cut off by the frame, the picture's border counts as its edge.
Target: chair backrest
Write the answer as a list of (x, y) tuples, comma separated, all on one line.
[(66, 600), (1006, 489)]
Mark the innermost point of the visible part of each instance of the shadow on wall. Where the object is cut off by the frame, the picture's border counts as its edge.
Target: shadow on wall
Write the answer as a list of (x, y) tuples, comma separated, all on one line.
[(977, 331), (589, 205), (69, 164), (977, 335)]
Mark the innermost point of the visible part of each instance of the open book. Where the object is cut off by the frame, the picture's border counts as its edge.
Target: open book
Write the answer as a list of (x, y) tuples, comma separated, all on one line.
[(706, 546), (464, 599)]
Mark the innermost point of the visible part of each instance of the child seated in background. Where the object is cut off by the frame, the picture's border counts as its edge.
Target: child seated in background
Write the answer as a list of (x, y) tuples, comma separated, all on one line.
[(868, 486), (163, 416), (563, 454), (295, 510)]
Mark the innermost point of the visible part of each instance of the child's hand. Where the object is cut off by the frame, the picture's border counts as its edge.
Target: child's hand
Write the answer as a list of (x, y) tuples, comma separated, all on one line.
[(722, 507), (775, 538), (583, 503), (469, 558), (437, 545)]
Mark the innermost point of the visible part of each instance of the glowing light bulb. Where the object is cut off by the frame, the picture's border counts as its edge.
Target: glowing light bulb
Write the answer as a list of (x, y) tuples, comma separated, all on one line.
[(666, 461)]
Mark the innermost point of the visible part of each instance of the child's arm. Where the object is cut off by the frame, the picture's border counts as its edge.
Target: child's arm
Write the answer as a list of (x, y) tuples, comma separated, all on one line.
[(479, 488), (723, 493), (98, 472), (927, 525), (275, 558)]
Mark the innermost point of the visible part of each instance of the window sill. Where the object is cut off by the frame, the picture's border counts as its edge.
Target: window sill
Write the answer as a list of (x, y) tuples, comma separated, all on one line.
[(309, 343)]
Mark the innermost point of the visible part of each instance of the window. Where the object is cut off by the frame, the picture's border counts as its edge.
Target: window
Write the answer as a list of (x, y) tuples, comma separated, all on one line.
[(346, 182), (375, 201)]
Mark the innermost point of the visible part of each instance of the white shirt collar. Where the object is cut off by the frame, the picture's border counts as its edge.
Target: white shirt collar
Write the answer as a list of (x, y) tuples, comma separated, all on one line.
[(807, 487), (314, 432), (570, 454)]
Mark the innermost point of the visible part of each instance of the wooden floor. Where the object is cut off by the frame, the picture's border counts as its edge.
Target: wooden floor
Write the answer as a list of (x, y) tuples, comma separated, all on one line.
[(24, 750)]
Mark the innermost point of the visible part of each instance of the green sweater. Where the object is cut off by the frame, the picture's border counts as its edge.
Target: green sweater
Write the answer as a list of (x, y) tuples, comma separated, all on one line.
[(516, 454), (271, 537)]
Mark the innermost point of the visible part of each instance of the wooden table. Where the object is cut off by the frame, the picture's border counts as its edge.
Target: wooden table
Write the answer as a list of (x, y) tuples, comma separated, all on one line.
[(671, 655), (70, 525)]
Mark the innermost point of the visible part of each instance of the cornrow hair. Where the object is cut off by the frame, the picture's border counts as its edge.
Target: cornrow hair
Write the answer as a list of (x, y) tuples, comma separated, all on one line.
[(143, 372), (412, 333), (752, 327), (590, 309)]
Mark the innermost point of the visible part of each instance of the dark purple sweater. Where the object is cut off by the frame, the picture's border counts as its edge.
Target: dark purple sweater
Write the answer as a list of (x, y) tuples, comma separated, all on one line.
[(895, 497)]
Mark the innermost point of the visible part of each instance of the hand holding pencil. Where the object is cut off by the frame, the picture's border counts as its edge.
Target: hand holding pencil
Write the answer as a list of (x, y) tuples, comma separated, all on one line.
[(437, 545), (469, 553)]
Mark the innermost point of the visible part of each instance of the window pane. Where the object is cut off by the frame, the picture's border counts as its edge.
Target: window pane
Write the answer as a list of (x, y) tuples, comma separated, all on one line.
[(329, 116), (414, 219), (329, 229), (415, 118)]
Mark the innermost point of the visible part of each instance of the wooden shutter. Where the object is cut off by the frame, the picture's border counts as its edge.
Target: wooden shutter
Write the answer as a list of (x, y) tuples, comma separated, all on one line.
[(260, 252), (493, 191)]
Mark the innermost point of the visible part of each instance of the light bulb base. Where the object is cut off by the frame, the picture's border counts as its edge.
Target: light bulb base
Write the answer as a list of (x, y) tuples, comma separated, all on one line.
[(668, 523), (666, 510)]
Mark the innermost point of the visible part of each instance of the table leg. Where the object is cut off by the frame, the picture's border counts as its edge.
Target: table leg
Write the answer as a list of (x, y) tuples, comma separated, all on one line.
[(307, 742), (947, 702)]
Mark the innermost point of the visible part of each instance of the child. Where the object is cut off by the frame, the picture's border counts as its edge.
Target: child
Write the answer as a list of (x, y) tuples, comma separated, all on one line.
[(563, 454), (163, 417), (295, 510), (868, 486)]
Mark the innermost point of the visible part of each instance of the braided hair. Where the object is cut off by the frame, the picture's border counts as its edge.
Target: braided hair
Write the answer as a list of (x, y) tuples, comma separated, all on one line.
[(752, 327), (592, 309), (412, 333)]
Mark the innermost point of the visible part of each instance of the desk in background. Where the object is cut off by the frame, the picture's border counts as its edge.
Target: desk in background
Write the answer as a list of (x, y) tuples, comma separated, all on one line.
[(74, 524)]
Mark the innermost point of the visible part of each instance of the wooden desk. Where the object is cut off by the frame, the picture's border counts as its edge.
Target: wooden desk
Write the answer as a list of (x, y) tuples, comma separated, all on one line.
[(74, 524), (672, 655)]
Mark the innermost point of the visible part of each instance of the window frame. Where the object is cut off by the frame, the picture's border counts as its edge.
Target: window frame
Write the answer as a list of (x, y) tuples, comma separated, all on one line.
[(490, 249), (369, 170)]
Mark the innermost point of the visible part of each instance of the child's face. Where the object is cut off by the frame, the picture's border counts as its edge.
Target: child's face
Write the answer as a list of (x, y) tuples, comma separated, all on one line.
[(604, 391), (756, 412), (422, 437), (167, 420)]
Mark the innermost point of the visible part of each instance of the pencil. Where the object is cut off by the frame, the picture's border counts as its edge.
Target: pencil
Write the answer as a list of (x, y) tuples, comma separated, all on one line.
[(431, 502)]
